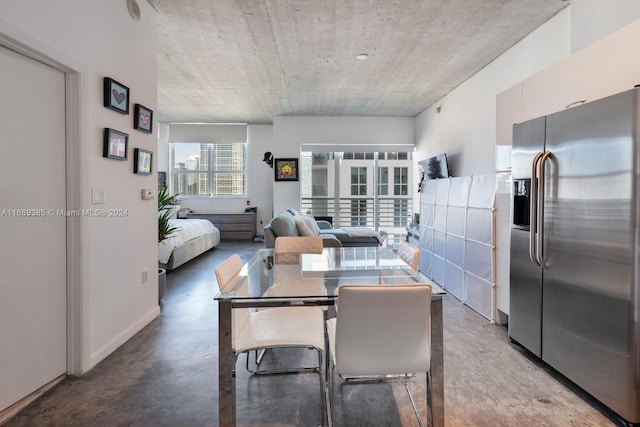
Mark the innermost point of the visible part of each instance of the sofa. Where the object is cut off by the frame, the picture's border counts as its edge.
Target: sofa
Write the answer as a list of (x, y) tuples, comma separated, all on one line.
[(291, 223)]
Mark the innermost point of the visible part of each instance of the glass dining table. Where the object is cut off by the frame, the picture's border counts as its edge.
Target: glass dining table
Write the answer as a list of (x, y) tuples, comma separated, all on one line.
[(335, 267)]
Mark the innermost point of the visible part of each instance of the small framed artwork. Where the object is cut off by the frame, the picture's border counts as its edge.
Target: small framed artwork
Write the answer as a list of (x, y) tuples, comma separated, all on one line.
[(115, 144), (142, 118), (286, 169), (142, 161), (116, 96)]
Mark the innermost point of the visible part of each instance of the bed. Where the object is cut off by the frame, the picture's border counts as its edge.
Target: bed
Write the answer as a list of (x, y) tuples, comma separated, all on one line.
[(192, 238)]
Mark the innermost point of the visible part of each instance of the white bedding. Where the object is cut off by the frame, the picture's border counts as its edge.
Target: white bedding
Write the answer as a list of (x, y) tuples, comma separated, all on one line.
[(188, 229)]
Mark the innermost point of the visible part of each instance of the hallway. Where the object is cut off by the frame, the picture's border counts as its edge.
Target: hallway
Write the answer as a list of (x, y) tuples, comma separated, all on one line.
[(166, 375)]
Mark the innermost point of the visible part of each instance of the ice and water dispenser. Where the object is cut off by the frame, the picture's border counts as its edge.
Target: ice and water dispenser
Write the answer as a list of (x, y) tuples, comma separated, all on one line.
[(521, 192)]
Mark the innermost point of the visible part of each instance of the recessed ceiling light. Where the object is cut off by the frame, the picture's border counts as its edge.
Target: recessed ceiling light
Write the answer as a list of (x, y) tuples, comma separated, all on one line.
[(362, 56)]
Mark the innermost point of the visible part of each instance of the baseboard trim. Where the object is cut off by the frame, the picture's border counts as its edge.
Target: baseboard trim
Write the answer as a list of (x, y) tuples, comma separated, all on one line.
[(123, 337)]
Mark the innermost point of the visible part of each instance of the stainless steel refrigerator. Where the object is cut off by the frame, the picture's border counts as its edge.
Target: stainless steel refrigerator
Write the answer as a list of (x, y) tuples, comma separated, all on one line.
[(574, 296)]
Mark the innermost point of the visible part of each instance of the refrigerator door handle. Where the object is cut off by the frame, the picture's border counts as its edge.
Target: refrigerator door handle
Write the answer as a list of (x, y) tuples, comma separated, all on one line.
[(540, 214), (533, 209)]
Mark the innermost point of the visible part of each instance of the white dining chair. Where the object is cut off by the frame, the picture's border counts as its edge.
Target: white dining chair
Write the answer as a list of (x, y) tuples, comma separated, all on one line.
[(288, 280), (380, 331), (409, 254), (301, 327)]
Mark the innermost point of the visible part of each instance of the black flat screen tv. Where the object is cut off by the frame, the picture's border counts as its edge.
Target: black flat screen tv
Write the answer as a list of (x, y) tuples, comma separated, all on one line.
[(436, 167)]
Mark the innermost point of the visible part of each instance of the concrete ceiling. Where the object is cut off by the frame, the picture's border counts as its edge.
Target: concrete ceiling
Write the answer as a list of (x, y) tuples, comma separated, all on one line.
[(246, 61)]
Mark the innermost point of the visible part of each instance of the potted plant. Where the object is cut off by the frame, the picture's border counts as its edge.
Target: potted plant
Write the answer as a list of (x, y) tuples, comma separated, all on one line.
[(166, 203)]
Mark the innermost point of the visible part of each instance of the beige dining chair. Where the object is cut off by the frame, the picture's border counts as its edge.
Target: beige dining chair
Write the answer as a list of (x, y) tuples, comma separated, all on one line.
[(301, 327), (287, 270), (287, 273), (409, 254), (380, 331), (299, 244)]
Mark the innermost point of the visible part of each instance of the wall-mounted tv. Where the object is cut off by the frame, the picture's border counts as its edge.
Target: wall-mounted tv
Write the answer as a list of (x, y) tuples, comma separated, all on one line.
[(436, 167)]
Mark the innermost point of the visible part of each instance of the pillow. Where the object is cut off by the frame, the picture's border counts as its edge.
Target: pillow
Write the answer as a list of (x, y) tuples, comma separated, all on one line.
[(284, 225), (303, 226), (311, 223)]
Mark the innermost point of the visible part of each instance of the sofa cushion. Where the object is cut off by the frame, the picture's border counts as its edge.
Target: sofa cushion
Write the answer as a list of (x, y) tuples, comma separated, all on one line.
[(311, 223), (284, 225), (304, 227)]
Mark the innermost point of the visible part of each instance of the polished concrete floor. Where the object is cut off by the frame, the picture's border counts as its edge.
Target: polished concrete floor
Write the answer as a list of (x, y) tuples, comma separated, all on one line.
[(166, 375)]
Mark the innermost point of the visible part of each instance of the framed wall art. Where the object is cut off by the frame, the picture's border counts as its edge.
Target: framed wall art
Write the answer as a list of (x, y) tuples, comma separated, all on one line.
[(116, 96), (115, 144), (286, 169), (142, 118), (142, 160)]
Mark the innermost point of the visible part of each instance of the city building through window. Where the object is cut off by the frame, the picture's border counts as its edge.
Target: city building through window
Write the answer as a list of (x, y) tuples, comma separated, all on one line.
[(198, 169)]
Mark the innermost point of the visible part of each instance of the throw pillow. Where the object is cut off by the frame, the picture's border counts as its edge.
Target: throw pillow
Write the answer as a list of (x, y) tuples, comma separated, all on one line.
[(311, 223), (303, 227)]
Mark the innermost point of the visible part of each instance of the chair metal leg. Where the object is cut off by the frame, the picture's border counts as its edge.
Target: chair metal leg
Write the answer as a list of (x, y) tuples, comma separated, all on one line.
[(430, 421), (332, 395), (321, 379), (413, 403)]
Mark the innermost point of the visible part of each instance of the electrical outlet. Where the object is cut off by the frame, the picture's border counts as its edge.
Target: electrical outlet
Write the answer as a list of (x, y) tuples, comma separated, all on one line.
[(145, 276)]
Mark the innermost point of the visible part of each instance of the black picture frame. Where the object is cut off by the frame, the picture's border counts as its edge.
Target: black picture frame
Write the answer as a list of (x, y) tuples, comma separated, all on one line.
[(116, 96), (142, 118), (143, 161), (286, 169), (115, 145)]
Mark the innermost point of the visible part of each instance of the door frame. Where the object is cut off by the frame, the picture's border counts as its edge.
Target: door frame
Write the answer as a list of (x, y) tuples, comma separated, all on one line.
[(76, 105)]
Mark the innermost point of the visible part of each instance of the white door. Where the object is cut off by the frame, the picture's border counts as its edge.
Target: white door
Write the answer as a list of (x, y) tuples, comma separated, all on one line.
[(32, 231)]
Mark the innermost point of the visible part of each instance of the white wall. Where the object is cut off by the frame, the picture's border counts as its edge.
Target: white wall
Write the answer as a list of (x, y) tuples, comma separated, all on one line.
[(593, 19), (95, 39), (163, 147), (260, 140), (290, 132), (465, 128)]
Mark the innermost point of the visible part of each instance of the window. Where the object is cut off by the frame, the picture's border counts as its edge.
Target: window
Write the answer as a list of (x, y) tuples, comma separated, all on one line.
[(394, 156), (199, 169), (358, 181), (337, 185), (400, 213), (400, 181), (357, 156), (358, 213), (383, 181)]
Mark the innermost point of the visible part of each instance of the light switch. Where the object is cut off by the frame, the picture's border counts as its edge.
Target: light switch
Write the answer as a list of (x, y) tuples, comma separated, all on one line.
[(97, 196)]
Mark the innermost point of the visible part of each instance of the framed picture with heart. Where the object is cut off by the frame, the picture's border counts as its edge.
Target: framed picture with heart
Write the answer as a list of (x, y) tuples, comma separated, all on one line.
[(116, 96), (142, 118)]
